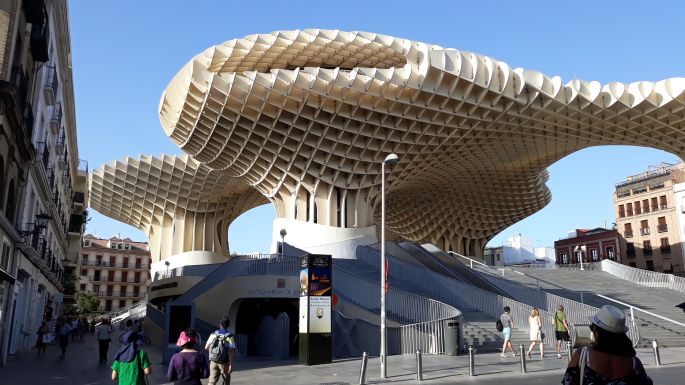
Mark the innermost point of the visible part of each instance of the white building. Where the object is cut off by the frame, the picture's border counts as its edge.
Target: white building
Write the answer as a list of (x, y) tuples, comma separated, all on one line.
[(519, 250)]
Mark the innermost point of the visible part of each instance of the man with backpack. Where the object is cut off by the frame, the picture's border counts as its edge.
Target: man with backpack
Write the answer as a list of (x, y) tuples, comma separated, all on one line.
[(221, 347), (104, 332)]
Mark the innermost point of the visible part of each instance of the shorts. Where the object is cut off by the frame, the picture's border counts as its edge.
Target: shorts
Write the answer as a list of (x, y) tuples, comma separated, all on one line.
[(562, 336), (507, 334)]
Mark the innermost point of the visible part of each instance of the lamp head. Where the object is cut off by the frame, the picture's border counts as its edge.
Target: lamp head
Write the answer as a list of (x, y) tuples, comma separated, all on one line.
[(167, 263), (391, 159), (42, 220), (283, 233)]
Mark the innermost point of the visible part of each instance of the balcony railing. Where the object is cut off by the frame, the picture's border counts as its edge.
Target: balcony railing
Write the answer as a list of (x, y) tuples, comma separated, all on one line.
[(130, 294), (51, 85), (79, 198), (662, 228), (644, 231), (628, 233), (665, 249), (56, 119), (116, 279), (131, 265), (647, 252)]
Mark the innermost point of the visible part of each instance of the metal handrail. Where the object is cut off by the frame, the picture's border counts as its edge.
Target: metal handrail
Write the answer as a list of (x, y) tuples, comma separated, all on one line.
[(644, 277), (639, 309)]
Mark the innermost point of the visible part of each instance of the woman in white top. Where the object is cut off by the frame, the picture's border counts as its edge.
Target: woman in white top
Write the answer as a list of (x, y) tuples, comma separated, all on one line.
[(535, 324)]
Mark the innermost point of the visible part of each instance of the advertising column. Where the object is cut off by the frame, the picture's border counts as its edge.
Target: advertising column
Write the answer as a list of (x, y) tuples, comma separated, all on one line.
[(315, 339)]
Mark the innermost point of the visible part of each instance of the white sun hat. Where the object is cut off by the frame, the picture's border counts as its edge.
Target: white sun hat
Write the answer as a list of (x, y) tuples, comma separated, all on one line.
[(611, 319)]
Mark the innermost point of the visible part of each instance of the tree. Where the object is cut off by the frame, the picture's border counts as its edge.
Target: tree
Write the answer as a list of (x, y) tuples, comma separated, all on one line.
[(86, 303)]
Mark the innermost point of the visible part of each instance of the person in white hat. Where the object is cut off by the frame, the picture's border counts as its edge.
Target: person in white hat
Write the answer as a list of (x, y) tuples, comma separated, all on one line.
[(611, 359)]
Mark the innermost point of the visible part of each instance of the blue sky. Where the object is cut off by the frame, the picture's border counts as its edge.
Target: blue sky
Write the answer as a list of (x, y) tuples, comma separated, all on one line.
[(125, 52)]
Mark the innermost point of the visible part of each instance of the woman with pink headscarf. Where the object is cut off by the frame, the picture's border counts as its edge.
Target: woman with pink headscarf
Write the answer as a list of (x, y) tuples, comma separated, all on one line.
[(188, 366)]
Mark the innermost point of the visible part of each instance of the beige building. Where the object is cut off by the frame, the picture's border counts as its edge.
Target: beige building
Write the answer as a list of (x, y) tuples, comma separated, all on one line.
[(116, 270), (647, 219), (42, 180)]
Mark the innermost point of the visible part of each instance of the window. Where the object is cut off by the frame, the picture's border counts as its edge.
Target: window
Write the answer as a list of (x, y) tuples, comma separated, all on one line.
[(96, 289), (113, 245), (594, 255), (644, 227), (2, 179), (110, 290), (86, 243), (610, 252), (621, 211), (662, 227), (120, 246), (665, 247), (663, 204), (645, 205), (655, 204), (629, 209), (630, 249), (647, 248), (638, 209), (122, 304), (108, 305), (628, 230), (83, 287), (650, 265), (11, 203)]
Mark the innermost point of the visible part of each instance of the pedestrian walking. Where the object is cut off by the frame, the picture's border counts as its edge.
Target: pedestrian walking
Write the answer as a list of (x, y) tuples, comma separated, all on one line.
[(92, 327), (131, 364), (188, 366), (508, 324), (611, 359), (104, 333), (561, 328), (65, 330), (42, 332), (221, 347), (536, 335), (74, 329)]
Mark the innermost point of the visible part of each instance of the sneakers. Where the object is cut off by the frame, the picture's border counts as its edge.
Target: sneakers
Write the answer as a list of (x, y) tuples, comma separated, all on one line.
[(502, 355), (558, 355)]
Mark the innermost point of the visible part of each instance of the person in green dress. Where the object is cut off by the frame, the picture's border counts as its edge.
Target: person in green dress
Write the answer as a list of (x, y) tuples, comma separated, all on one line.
[(131, 364)]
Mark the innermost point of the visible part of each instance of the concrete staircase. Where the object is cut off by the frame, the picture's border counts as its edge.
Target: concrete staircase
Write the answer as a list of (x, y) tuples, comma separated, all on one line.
[(480, 332), (581, 286)]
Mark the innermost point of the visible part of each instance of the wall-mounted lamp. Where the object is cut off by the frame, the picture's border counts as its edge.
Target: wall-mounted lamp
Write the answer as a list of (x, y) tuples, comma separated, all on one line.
[(40, 223)]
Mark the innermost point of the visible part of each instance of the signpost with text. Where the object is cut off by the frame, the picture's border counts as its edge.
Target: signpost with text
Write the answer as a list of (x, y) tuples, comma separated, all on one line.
[(316, 287)]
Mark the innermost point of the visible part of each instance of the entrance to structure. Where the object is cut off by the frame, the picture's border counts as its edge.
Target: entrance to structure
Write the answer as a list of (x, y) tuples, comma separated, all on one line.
[(270, 325)]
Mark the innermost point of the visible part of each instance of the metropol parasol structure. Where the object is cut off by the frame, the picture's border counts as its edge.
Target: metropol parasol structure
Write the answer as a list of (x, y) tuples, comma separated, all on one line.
[(303, 119)]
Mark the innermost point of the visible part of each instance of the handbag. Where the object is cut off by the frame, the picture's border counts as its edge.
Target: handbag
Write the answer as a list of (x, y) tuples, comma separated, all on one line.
[(542, 335)]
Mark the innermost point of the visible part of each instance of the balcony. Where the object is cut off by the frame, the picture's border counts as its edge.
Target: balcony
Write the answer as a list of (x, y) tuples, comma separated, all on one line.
[(51, 86), (76, 224), (115, 265), (19, 79), (59, 145), (117, 279), (665, 249), (628, 233), (56, 119), (40, 35), (129, 294), (662, 228), (644, 231), (34, 11), (663, 206), (647, 252), (79, 199)]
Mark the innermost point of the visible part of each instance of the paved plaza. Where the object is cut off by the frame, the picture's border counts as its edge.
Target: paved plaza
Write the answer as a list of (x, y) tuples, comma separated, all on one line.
[(82, 368)]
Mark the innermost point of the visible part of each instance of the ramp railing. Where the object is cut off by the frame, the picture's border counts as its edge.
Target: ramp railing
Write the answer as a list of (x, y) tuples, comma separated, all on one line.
[(644, 277)]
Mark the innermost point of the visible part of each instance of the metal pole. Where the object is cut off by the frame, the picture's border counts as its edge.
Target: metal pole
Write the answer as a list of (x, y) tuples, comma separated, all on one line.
[(568, 349), (419, 366), (362, 374), (472, 363), (657, 357), (581, 260), (384, 370), (523, 358)]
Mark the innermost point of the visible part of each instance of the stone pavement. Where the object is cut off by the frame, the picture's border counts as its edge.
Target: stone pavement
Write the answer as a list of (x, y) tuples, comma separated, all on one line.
[(81, 367)]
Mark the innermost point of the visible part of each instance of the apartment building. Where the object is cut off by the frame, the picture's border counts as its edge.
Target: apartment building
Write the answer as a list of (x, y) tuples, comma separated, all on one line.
[(116, 270), (588, 245), (647, 219), (43, 185)]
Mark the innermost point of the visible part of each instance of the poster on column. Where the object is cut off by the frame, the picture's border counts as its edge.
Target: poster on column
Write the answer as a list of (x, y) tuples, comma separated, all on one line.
[(304, 315), (319, 314)]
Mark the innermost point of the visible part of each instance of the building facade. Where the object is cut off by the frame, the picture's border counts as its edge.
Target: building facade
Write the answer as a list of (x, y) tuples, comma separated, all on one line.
[(116, 270), (42, 183), (647, 218), (589, 245)]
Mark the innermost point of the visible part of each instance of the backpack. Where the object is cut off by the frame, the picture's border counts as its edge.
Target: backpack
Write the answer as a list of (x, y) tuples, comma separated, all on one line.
[(499, 326), (218, 351)]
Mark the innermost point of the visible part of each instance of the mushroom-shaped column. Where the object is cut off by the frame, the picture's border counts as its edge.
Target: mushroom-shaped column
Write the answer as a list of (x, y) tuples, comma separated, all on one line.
[(184, 207), (307, 116)]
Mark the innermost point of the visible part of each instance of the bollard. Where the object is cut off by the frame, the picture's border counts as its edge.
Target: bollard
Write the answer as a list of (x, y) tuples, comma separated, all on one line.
[(419, 366), (362, 375), (569, 350), (657, 357), (523, 358), (472, 363)]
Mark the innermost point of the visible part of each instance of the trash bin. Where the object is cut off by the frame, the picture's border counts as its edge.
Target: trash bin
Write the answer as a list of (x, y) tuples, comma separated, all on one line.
[(452, 337)]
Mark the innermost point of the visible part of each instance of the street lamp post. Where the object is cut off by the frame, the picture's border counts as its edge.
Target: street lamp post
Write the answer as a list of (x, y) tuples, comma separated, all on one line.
[(390, 159), (579, 249), (167, 268), (283, 234)]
